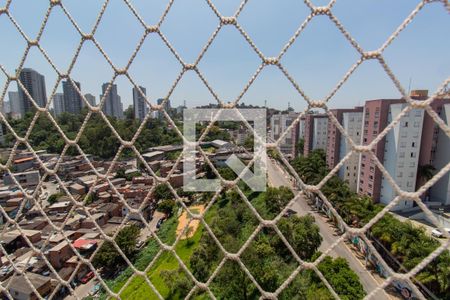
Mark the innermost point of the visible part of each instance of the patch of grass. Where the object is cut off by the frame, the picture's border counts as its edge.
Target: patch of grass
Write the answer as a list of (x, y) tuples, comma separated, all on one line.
[(167, 234), (139, 289)]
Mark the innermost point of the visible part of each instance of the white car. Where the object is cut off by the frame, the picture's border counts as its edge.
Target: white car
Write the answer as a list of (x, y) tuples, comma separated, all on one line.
[(437, 233)]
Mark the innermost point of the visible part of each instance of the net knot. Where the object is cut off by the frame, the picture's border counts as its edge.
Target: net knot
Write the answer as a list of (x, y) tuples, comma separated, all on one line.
[(229, 21), (371, 55), (321, 10), (152, 28), (271, 60)]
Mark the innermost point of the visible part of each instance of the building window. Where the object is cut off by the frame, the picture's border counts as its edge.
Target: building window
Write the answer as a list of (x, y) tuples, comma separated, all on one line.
[(402, 154), (403, 144), (400, 174), (411, 174), (413, 154), (412, 164), (413, 144), (409, 184), (405, 124), (416, 124)]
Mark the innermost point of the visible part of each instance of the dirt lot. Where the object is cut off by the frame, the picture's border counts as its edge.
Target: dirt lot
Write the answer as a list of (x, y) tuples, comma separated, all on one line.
[(184, 219)]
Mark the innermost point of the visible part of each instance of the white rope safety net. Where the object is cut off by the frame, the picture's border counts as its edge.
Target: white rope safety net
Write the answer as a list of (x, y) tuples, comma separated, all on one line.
[(150, 31)]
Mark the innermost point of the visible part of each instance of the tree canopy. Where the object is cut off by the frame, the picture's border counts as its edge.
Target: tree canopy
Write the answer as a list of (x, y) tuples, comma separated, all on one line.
[(97, 138)]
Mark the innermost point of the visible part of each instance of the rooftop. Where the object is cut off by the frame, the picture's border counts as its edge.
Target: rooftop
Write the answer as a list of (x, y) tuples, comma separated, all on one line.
[(19, 284), (152, 154)]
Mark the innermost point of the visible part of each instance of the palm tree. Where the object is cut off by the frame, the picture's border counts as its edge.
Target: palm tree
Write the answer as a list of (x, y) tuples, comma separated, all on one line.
[(424, 174)]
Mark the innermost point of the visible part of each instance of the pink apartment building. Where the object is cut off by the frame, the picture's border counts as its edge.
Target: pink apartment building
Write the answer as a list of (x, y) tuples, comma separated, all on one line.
[(411, 144), (375, 119)]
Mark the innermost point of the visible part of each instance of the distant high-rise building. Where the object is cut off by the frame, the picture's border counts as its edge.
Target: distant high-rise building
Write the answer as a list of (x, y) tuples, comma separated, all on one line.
[(15, 105), (90, 98), (315, 132), (374, 121), (279, 123), (58, 104), (166, 107), (6, 109), (72, 99), (112, 106), (139, 105), (120, 113), (301, 128), (434, 149), (338, 146), (34, 83)]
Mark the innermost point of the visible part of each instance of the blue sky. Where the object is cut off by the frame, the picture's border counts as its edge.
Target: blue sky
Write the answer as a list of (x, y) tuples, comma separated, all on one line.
[(317, 61)]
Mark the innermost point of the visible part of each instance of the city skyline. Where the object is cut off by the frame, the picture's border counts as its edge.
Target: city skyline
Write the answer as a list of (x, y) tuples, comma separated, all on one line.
[(230, 62)]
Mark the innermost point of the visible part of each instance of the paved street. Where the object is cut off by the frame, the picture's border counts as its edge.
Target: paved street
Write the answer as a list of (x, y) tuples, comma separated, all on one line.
[(278, 177), (146, 231), (83, 290)]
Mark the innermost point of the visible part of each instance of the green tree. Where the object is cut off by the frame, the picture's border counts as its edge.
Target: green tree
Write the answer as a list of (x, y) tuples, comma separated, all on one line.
[(177, 281), (166, 206), (343, 280), (163, 192), (92, 197), (300, 147), (120, 173), (302, 234), (54, 198), (108, 256), (277, 198), (227, 173), (249, 143)]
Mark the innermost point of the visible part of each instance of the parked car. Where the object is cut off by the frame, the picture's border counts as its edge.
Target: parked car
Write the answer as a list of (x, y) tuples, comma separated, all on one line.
[(437, 233), (289, 212), (95, 289), (87, 277), (160, 221), (139, 244)]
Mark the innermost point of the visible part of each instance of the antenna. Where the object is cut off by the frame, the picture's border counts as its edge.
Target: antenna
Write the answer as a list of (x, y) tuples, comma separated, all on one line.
[(265, 103), (409, 86)]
